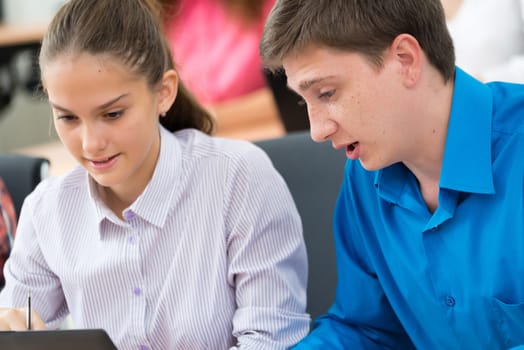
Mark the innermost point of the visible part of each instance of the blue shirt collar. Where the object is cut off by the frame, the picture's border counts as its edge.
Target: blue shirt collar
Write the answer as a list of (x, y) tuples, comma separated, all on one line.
[(467, 164), (467, 154)]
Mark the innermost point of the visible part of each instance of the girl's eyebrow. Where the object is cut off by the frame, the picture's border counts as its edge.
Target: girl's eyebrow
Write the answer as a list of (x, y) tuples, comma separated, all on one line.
[(102, 106), (109, 103)]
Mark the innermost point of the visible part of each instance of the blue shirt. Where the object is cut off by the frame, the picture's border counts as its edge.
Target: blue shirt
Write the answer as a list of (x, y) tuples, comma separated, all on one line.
[(452, 279)]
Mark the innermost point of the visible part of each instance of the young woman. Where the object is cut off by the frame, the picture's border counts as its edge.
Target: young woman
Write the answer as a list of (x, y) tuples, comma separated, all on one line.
[(165, 237)]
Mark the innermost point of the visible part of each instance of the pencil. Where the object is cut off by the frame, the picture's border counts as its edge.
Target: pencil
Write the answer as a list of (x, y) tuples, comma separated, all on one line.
[(28, 318)]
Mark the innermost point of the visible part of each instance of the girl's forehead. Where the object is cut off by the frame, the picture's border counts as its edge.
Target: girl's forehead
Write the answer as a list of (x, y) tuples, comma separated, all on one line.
[(104, 61), (81, 74), (85, 64)]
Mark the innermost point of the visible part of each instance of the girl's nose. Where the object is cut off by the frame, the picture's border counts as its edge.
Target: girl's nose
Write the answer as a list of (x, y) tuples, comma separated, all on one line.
[(93, 140)]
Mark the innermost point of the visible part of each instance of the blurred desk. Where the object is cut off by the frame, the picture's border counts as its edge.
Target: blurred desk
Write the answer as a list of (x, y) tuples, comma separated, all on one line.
[(13, 40), (59, 157), (16, 38), (252, 132), (13, 37)]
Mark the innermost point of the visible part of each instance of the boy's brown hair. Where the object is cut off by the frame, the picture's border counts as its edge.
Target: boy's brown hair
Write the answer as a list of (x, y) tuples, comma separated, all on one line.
[(364, 26)]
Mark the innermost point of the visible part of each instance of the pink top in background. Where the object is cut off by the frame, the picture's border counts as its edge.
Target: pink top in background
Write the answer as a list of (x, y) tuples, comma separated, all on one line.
[(216, 56)]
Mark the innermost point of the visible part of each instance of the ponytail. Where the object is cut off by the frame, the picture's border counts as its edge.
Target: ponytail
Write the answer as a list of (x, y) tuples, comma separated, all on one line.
[(186, 112)]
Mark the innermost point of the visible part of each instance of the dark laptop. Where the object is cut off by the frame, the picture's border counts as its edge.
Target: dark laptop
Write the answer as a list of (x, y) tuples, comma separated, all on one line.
[(77, 339)]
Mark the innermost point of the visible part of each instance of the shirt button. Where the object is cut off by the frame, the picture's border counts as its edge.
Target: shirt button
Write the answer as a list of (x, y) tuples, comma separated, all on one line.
[(131, 239), (450, 301), (129, 215), (143, 347), (137, 291)]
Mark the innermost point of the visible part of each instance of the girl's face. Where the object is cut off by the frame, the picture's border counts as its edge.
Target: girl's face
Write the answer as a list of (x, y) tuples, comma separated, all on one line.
[(107, 118)]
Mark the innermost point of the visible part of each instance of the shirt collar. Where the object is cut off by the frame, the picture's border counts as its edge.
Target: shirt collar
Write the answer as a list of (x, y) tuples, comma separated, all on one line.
[(155, 202), (467, 154), (467, 165)]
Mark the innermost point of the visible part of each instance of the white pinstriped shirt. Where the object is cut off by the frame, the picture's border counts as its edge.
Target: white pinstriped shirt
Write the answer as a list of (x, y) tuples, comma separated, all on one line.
[(210, 256)]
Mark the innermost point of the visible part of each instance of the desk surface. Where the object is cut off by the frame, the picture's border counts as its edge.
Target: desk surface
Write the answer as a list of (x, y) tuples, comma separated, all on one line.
[(13, 34)]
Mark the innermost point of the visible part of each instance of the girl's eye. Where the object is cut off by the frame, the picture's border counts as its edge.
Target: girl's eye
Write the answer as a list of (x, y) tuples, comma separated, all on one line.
[(114, 115), (326, 95), (66, 118)]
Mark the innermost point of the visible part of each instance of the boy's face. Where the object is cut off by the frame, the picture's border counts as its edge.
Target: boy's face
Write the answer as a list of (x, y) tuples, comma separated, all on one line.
[(106, 117), (355, 105)]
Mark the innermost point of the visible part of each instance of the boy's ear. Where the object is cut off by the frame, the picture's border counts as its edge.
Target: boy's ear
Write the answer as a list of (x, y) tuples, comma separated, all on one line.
[(168, 91), (407, 51)]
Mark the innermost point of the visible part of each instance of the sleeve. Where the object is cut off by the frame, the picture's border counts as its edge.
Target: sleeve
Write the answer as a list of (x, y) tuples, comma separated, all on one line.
[(361, 316), (26, 271), (267, 257)]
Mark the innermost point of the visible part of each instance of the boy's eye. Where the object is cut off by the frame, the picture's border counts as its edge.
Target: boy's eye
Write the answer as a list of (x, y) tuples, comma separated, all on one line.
[(326, 95)]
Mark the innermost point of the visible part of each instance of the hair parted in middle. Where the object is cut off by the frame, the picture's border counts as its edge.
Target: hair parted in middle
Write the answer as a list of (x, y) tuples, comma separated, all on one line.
[(129, 31)]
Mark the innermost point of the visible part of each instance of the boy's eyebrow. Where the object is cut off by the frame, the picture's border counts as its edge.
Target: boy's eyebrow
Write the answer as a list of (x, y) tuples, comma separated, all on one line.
[(102, 106), (305, 85)]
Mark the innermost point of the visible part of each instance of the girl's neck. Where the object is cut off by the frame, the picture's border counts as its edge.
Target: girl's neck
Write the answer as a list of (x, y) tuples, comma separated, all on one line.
[(116, 203)]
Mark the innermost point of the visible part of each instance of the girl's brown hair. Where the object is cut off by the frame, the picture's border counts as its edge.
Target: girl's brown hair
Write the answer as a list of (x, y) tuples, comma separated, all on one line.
[(129, 31)]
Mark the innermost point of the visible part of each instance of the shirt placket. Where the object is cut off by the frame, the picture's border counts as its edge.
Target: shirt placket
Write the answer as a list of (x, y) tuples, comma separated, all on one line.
[(137, 285)]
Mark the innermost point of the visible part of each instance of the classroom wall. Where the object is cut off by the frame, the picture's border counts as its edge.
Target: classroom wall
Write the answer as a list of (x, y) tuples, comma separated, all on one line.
[(29, 11), (27, 120)]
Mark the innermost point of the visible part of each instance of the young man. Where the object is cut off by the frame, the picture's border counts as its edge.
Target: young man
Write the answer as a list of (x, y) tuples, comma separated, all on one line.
[(429, 225)]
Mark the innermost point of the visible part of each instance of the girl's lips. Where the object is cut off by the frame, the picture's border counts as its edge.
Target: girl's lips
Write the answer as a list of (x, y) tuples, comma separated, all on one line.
[(353, 151), (104, 164)]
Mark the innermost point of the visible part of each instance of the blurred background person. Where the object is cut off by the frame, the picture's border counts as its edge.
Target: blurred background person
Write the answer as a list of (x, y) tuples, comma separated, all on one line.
[(489, 37), (215, 43)]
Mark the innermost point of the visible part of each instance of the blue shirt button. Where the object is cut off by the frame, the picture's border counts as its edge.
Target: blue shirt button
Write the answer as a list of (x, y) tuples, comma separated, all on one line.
[(143, 347), (131, 239), (450, 301), (137, 291)]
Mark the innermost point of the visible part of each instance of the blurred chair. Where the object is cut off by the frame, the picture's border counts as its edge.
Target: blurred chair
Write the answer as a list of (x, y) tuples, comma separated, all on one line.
[(21, 174), (313, 173)]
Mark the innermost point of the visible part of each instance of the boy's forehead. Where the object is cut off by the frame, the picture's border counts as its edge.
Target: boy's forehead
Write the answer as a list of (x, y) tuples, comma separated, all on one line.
[(299, 61), (310, 65)]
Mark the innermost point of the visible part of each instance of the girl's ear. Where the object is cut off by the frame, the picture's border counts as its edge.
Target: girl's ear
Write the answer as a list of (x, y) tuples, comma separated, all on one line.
[(168, 91)]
